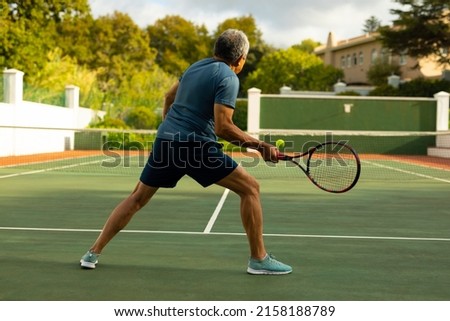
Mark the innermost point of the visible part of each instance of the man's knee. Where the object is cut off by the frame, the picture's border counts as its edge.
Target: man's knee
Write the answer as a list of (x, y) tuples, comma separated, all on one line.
[(252, 187)]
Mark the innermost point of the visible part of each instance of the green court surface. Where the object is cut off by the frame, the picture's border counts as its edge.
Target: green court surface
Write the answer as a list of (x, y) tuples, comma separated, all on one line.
[(387, 239)]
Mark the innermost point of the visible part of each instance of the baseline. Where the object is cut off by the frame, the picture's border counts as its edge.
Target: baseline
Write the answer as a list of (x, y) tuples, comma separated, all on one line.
[(350, 237)]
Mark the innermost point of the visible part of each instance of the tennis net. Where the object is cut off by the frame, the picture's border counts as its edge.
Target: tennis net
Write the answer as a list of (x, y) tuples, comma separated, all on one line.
[(384, 155)]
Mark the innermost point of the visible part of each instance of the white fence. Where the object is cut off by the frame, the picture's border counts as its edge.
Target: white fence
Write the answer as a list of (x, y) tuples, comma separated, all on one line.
[(22, 122)]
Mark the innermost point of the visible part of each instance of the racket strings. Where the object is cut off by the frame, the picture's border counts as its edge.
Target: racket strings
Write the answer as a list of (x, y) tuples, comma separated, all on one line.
[(333, 169)]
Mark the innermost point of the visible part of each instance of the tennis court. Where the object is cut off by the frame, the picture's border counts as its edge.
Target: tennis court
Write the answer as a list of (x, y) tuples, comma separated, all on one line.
[(386, 239)]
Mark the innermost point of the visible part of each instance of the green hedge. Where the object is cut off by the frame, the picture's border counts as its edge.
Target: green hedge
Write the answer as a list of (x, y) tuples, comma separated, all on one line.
[(419, 87), (240, 114)]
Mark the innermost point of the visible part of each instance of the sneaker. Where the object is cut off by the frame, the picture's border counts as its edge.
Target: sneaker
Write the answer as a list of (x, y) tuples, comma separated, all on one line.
[(89, 260), (268, 265)]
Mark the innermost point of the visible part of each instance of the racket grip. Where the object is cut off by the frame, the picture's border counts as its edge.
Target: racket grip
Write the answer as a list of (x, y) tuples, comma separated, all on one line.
[(282, 156)]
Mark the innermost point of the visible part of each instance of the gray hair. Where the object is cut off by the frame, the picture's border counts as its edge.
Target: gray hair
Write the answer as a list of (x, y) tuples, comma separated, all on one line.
[(231, 45)]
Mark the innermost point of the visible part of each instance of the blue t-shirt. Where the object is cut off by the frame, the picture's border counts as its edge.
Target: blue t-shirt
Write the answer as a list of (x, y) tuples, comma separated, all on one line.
[(191, 117)]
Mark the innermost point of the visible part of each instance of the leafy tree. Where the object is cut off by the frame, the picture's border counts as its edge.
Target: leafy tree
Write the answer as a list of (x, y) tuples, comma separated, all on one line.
[(28, 30), (381, 70), (178, 43), (323, 77), (145, 88), (121, 48), (371, 25), (307, 45), (46, 11), (422, 29), (74, 38), (295, 68)]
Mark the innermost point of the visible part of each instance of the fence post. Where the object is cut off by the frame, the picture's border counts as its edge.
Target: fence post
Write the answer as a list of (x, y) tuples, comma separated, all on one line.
[(254, 105), (285, 90), (73, 102), (339, 87), (13, 86), (72, 96), (394, 81), (442, 112)]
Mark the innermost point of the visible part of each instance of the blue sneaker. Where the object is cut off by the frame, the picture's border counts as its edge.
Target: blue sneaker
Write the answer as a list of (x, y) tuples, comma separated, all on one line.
[(89, 260), (268, 265)]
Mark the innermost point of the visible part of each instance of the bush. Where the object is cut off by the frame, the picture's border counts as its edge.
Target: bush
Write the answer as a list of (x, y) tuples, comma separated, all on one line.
[(385, 90), (348, 93), (421, 87), (122, 140), (141, 118)]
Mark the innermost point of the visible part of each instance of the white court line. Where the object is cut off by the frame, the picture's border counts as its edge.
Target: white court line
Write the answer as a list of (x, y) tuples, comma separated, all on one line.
[(49, 169), (408, 172), (219, 206), (350, 237)]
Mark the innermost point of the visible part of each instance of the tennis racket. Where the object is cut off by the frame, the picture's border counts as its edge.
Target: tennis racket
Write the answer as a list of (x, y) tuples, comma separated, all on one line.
[(332, 166)]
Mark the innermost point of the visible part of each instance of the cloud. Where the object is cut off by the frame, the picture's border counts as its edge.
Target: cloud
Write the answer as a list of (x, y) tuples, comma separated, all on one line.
[(282, 22)]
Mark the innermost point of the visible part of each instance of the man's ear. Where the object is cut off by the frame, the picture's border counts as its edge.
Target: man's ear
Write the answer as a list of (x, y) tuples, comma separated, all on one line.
[(238, 61)]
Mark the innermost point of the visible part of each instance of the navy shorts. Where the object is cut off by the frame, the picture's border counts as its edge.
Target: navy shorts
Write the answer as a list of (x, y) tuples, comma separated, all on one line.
[(170, 160)]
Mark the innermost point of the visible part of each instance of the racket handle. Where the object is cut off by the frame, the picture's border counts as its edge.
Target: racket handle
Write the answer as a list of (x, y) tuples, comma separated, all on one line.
[(282, 156)]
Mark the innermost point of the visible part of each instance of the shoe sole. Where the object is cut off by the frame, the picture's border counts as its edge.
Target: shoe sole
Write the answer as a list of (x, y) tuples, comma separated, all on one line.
[(266, 272), (87, 264)]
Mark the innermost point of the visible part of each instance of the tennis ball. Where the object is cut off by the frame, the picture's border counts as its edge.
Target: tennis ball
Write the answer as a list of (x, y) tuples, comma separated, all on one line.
[(280, 144)]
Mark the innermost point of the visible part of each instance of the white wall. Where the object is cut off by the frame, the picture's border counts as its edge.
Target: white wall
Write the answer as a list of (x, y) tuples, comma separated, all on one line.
[(22, 122)]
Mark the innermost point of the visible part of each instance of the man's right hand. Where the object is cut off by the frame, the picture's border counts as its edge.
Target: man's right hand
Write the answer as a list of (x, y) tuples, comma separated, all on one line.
[(268, 152)]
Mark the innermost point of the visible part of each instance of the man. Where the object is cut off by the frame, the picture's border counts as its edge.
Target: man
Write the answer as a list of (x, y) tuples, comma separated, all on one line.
[(196, 109)]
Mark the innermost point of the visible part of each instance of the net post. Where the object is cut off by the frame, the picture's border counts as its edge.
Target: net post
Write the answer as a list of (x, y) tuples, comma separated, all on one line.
[(442, 112), (72, 100)]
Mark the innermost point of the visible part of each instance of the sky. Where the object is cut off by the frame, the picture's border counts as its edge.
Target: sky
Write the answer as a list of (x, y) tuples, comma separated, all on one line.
[(283, 23)]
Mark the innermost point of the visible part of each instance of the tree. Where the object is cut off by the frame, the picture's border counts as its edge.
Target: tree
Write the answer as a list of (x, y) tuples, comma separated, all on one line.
[(421, 30), (145, 88), (371, 25), (379, 72), (295, 68), (178, 43), (28, 30), (46, 11), (121, 49), (307, 45), (74, 38)]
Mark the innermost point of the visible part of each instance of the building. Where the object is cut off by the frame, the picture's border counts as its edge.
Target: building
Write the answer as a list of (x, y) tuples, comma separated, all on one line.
[(355, 56)]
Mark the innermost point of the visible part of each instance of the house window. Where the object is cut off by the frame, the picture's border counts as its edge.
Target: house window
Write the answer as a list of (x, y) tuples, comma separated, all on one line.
[(343, 62), (361, 58), (355, 59), (373, 56), (349, 61)]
